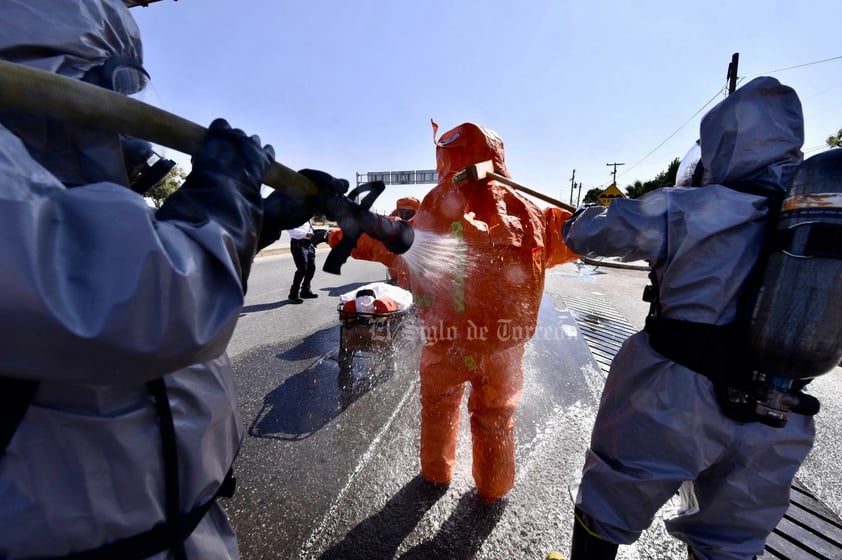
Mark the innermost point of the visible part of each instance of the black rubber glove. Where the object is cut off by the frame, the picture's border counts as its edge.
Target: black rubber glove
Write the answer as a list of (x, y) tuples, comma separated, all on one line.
[(224, 187), (331, 190), (319, 236), (280, 212)]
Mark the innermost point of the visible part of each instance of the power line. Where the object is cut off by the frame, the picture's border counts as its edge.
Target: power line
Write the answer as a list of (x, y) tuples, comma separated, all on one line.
[(739, 81), (768, 72), (800, 66), (655, 149)]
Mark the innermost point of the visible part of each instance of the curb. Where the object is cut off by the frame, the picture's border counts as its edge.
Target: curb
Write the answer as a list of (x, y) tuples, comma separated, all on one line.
[(616, 264), (272, 252)]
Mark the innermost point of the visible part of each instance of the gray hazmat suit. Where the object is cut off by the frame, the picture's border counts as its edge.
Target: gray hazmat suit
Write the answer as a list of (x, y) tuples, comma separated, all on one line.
[(98, 297), (659, 427)]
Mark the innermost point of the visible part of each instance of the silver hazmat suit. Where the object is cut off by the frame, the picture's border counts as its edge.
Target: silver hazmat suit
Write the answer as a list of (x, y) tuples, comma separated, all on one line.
[(659, 426), (97, 297)]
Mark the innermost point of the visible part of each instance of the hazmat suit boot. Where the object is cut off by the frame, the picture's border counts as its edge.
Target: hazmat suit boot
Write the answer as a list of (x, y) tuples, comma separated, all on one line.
[(487, 500), (307, 294), (432, 489), (587, 545)]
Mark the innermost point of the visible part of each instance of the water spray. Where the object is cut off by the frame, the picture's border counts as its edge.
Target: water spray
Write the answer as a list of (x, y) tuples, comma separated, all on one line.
[(31, 90)]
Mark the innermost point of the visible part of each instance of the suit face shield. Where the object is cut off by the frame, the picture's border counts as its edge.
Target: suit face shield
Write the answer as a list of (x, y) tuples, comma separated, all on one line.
[(405, 213), (146, 164), (691, 171), (405, 208)]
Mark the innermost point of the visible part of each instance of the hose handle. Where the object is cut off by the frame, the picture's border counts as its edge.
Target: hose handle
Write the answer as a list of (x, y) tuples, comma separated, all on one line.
[(32, 90)]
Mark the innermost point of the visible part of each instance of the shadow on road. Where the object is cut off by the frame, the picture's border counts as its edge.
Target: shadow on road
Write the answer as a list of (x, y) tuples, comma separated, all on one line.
[(462, 535), (336, 291), (316, 345), (333, 291), (311, 399), (263, 307), (380, 535)]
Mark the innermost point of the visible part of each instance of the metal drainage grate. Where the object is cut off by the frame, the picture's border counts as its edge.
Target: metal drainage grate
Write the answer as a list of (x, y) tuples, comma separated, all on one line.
[(602, 327)]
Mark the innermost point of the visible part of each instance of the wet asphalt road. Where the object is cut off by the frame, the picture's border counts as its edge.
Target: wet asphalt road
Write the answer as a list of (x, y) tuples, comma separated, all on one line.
[(329, 464)]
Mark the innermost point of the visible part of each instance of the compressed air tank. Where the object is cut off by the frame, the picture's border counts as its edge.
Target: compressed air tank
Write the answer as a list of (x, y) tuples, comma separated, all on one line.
[(796, 323)]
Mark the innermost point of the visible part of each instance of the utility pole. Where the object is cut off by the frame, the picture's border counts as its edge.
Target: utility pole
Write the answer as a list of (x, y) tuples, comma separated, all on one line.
[(614, 173), (578, 196), (572, 186), (732, 73)]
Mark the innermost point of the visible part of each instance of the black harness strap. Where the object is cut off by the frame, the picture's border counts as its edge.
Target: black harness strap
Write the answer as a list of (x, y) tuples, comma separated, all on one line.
[(811, 240), (15, 396), (170, 454), (163, 536), (713, 351), (717, 352), (170, 534)]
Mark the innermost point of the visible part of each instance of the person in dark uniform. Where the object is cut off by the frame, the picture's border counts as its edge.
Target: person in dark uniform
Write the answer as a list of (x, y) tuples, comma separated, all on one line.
[(302, 245)]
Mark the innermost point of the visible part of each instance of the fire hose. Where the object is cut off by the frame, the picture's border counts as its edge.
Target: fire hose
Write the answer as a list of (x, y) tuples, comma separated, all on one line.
[(31, 90)]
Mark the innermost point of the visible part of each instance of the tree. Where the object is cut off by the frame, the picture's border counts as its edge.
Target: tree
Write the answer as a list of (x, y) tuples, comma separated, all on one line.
[(590, 196), (634, 191), (663, 179), (835, 141), (170, 183)]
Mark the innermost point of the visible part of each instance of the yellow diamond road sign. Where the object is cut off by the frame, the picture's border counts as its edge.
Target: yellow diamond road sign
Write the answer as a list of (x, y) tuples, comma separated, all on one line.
[(609, 194)]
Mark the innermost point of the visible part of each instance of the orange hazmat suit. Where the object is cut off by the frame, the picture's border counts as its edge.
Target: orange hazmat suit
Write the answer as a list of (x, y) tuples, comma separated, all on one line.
[(478, 318), (370, 249)]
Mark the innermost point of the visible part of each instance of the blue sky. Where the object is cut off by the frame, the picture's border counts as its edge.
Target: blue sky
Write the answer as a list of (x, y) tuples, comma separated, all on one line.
[(351, 87)]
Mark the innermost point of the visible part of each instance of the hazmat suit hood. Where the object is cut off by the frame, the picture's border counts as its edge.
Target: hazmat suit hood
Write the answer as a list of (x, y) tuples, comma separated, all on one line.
[(78, 39), (466, 145), (752, 140), (406, 208)]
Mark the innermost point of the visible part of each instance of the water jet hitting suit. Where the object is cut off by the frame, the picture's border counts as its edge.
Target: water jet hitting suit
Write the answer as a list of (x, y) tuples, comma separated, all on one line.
[(660, 424), (115, 315), (479, 314)]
